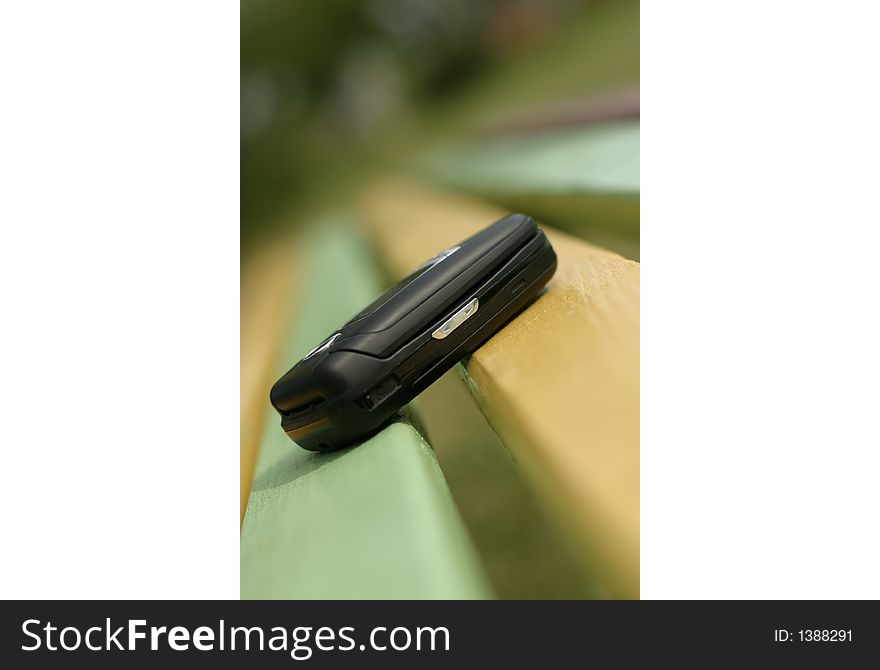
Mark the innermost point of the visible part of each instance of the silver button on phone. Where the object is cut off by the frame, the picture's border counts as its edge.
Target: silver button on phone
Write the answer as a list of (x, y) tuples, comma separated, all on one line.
[(456, 319)]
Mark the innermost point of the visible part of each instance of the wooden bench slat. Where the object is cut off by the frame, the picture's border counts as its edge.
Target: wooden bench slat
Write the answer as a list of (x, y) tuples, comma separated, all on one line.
[(266, 292), (560, 383), (375, 521), (583, 179)]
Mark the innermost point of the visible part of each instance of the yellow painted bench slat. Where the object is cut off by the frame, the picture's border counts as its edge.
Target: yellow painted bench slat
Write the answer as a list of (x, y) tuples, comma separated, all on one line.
[(560, 383)]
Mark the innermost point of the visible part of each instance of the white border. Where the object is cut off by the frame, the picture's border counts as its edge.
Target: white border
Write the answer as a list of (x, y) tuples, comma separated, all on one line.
[(119, 273), (760, 442)]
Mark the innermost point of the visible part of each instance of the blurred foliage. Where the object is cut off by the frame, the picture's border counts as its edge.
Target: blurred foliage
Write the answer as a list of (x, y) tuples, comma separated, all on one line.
[(332, 89)]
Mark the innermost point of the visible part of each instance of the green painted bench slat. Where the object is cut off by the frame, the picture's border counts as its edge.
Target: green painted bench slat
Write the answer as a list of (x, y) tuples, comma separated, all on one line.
[(584, 180), (376, 521)]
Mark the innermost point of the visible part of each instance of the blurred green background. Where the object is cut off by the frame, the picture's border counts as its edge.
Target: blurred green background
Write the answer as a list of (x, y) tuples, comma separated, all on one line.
[(335, 93)]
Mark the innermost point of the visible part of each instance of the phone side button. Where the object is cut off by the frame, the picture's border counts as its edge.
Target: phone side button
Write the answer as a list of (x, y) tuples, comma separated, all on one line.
[(456, 319)]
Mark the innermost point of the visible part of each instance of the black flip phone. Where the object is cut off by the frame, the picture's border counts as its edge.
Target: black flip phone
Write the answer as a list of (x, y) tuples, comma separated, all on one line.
[(352, 382)]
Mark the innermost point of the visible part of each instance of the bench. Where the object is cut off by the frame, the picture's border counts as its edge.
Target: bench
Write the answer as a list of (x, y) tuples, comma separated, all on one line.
[(559, 385)]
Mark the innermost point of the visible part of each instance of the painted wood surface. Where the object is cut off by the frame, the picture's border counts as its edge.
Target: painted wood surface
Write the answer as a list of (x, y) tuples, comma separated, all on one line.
[(267, 292), (560, 383), (582, 179), (372, 521)]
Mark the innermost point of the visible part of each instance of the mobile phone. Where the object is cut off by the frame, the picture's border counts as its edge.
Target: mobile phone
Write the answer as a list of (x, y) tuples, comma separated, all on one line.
[(352, 382)]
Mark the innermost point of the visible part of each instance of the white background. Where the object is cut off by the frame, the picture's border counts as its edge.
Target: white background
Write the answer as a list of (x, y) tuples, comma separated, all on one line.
[(119, 179), (119, 175), (760, 299)]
